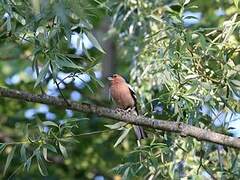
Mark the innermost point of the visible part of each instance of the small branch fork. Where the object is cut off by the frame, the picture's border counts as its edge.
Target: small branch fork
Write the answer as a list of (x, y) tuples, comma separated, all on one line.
[(170, 126)]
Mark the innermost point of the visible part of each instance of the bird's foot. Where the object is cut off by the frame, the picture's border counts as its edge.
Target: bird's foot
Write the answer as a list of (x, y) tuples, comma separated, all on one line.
[(119, 110), (128, 110), (131, 110)]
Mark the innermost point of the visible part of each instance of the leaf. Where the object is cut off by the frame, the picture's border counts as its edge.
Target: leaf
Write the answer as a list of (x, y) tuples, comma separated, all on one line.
[(44, 151), (50, 147), (42, 74), (85, 24), (2, 147), (86, 52), (55, 70), (63, 62), (236, 2), (63, 150), (186, 2), (27, 164), (23, 152), (236, 82), (203, 41), (125, 174), (41, 165), (94, 41), (74, 56), (50, 123), (190, 17), (9, 159), (9, 25), (122, 137), (116, 125)]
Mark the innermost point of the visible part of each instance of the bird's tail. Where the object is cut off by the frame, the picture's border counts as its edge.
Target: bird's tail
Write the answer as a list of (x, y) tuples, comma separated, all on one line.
[(140, 133)]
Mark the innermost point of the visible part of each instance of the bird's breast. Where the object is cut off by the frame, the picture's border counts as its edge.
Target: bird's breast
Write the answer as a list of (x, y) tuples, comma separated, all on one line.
[(122, 96)]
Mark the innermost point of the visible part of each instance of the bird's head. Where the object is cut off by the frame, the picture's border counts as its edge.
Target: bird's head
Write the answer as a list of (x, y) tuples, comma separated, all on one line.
[(115, 78)]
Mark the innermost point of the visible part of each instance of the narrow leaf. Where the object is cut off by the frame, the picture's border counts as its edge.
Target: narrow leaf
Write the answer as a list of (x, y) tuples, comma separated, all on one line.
[(45, 154), (236, 3), (50, 123), (122, 137), (186, 2), (63, 150), (125, 174), (50, 147), (41, 165), (67, 63), (27, 164), (42, 74), (116, 125), (94, 41), (2, 147), (23, 152), (9, 159)]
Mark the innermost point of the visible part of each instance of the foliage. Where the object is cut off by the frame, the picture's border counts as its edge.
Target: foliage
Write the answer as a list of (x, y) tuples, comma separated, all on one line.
[(179, 69), (179, 64)]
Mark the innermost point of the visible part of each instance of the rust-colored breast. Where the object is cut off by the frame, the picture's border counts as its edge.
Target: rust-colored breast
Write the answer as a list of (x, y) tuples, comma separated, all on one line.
[(122, 96)]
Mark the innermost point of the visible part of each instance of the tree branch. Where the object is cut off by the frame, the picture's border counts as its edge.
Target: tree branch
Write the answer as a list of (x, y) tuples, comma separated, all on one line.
[(171, 126)]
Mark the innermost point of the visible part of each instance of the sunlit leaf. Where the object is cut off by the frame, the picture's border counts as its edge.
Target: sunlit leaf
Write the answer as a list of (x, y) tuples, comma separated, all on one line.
[(44, 151), (122, 137), (236, 2), (116, 125), (63, 150)]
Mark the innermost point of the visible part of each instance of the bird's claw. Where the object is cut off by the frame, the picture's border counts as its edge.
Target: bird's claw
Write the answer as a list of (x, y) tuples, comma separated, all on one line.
[(119, 110)]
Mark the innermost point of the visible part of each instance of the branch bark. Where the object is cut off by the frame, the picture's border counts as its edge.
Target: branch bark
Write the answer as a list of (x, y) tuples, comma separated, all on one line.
[(171, 126)]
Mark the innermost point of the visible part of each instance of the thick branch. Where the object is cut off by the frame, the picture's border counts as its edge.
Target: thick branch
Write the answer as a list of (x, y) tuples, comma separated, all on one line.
[(171, 126)]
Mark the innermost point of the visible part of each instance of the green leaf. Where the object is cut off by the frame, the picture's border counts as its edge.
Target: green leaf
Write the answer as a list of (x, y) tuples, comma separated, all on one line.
[(236, 2), (122, 137), (125, 174), (27, 164), (203, 41), (86, 52), (63, 62), (41, 165), (42, 74), (2, 147), (94, 41), (63, 150), (50, 147), (44, 151), (23, 152), (9, 159), (74, 56), (85, 24), (236, 82), (186, 2), (118, 125), (49, 123)]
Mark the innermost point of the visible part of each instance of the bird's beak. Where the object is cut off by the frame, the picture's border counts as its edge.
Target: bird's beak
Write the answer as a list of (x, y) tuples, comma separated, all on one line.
[(110, 78)]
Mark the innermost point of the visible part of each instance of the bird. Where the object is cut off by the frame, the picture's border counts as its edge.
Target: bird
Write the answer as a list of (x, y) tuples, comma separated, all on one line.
[(125, 98)]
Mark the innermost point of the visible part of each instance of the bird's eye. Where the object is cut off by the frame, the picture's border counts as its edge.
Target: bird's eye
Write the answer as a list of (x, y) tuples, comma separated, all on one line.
[(114, 76)]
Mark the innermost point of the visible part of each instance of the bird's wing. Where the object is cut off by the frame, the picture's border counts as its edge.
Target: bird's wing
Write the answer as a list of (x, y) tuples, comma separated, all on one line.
[(134, 96), (133, 93)]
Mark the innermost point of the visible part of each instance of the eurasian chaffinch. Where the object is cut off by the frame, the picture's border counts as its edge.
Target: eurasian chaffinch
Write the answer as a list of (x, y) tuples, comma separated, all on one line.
[(125, 98)]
